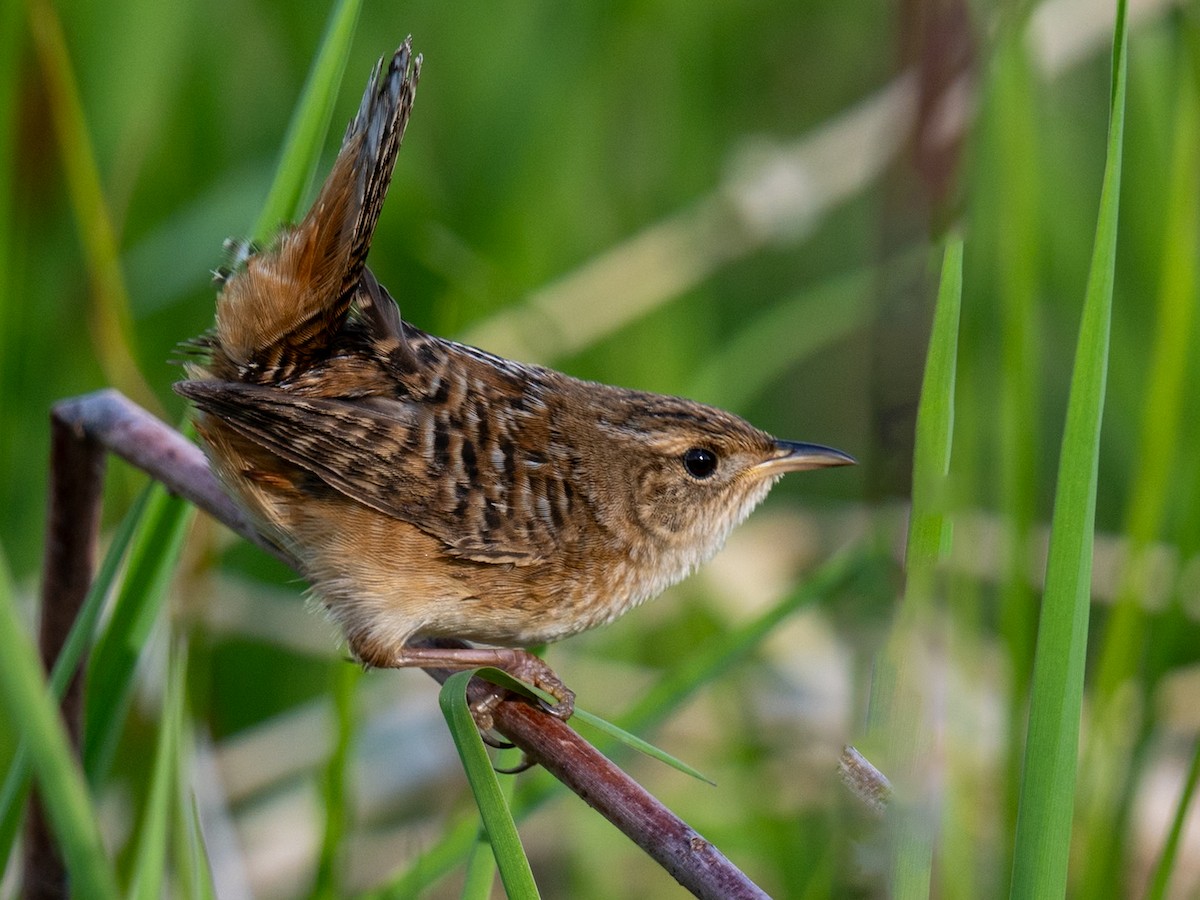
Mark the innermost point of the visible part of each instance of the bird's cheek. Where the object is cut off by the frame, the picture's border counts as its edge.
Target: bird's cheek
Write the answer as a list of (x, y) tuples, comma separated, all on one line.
[(658, 511)]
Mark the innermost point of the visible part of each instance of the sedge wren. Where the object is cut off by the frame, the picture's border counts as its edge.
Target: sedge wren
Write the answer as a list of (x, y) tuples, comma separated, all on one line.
[(431, 491)]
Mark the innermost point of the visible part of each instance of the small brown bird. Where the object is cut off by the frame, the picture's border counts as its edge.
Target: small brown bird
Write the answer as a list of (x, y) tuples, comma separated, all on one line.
[(433, 491)]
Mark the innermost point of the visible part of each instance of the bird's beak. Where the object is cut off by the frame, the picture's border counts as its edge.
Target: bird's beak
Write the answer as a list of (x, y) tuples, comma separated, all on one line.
[(793, 456)]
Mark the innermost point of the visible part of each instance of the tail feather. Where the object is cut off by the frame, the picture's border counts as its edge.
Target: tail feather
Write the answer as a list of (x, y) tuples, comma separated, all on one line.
[(280, 313)]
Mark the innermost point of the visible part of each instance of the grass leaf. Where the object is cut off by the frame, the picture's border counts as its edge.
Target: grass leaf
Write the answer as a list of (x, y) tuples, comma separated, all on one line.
[(480, 869), (505, 680), (1043, 832), (110, 312), (310, 122), (30, 703), (928, 528), (1117, 717), (193, 870), (493, 809), (153, 834), (16, 782), (901, 718), (634, 742), (152, 562), (480, 872), (334, 794), (1166, 862), (1162, 426)]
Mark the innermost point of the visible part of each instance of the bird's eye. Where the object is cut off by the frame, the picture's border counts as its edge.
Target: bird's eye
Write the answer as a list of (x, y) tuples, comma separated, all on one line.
[(699, 462)]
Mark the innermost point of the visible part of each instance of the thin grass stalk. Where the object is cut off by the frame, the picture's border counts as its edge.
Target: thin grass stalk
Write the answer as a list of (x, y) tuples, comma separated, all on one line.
[(1165, 866), (143, 592), (903, 711), (11, 37), (1019, 240), (1153, 472), (17, 779), (310, 123), (109, 315), (1044, 819), (154, 831), (493, 808), (194, 879), (1118, 694), (481, 862), (334, 793), (28, 700)]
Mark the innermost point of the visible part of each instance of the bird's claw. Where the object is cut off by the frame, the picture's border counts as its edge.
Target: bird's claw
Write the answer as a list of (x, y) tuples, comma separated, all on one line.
[(535, 670)]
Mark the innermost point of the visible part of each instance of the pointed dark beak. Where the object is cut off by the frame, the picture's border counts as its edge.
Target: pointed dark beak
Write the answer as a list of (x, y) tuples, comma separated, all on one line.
[(793, 456)]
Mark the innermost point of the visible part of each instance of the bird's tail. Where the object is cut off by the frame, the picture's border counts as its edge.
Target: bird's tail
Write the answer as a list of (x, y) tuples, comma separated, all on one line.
[(280, 312)]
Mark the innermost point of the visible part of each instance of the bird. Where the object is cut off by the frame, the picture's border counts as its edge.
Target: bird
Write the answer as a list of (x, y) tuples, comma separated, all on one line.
[(433, 493)]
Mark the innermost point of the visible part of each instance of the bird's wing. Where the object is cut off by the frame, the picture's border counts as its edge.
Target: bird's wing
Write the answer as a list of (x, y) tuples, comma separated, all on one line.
[(492, 500)]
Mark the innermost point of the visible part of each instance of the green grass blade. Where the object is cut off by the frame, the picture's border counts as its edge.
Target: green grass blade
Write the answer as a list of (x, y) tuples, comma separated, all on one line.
[(16, 782), (928, 528), (153, 835), (1166, 862), (1116, 713), (1017, 210), (337, 773), (497, 817), (480, 874), (114, 661), (481, 870), (1162, 419), (1051, 750), (11, 38), (901, 717), (152, 562), (111, 318), (310, 122), (615, 732), (192, 867), (1018, 195), (29, 703)]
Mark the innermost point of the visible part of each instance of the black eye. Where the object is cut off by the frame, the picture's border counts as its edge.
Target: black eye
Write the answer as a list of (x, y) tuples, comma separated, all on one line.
[(699, 462)]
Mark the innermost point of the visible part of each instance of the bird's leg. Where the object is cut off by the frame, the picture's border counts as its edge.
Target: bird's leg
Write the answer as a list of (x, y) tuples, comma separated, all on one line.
[(520, 664)]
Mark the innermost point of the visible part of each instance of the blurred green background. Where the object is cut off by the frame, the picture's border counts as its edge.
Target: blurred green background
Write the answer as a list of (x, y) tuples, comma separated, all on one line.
[(736, 202)]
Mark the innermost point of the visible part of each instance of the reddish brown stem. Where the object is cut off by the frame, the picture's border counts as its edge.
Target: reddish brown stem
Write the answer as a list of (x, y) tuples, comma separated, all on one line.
[(72, 528), (108, 420)]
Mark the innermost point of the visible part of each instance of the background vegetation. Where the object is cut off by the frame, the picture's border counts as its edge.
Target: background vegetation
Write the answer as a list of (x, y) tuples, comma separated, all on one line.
[(743, 203)]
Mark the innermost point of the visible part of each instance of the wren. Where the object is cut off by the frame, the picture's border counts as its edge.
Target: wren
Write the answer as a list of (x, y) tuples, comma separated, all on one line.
[(433, 493)]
